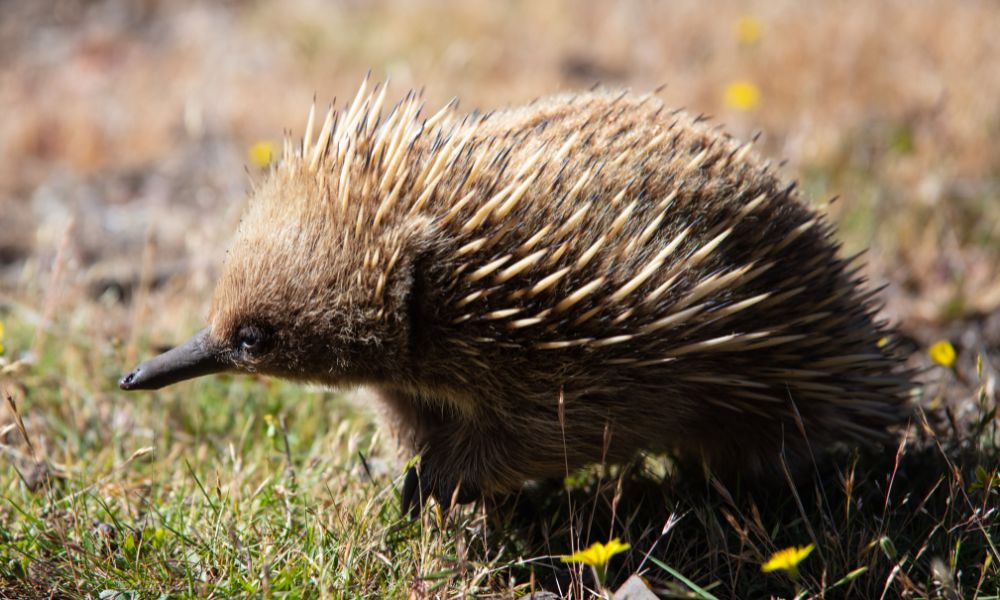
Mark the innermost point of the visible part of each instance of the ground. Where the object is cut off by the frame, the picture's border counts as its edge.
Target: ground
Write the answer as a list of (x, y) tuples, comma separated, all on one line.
[(125, 155)]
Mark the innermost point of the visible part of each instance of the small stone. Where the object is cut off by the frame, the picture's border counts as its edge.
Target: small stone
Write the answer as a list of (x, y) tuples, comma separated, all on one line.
[(542, 596), (634, 589)]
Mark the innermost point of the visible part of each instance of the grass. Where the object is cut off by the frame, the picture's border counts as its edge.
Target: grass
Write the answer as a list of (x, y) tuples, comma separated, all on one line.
[(233, 486), (118, 194)]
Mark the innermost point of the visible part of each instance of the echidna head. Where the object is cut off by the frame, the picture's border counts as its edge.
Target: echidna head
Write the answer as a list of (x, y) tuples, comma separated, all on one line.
[(297, 298)]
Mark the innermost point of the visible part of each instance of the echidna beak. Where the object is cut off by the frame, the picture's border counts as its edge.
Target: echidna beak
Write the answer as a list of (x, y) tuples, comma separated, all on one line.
[(193, 358)]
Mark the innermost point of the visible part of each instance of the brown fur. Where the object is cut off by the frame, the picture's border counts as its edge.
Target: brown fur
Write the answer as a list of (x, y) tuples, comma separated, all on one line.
[(548, 286)]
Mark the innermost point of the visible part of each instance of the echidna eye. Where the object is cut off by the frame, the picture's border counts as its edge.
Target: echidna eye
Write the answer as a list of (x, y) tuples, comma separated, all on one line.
[(249, 338)]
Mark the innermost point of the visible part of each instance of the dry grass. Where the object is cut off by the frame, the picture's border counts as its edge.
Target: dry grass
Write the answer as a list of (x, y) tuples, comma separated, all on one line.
[(125, 131)]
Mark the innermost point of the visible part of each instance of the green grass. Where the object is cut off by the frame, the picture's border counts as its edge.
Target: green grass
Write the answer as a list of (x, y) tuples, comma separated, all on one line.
[(232, 486), (250, 487)]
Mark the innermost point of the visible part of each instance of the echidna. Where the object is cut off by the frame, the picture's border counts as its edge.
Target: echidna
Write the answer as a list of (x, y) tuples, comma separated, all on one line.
[(539, 288)]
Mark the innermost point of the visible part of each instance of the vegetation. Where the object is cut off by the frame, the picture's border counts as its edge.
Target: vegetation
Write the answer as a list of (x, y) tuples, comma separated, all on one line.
[(121, 180)]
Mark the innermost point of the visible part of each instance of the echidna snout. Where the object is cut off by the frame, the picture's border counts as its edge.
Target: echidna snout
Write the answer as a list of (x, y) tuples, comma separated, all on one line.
[(572, 281)]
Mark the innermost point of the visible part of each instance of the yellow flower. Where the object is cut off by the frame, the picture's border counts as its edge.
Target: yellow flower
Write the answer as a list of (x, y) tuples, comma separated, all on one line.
[(742, 95), (598, 554), (1, 337), (261, 153), (943, 353), (787, 560), (747, 30)]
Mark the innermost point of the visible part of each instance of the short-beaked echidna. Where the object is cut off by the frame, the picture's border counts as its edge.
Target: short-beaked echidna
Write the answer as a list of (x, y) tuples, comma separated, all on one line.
[(538, 288)]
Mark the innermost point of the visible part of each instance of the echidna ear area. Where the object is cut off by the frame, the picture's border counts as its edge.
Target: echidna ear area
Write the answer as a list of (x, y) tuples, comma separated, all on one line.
[(600, 244)]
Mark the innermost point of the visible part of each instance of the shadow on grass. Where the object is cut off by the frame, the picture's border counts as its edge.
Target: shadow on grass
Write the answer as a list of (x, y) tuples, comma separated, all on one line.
[(906, 521)]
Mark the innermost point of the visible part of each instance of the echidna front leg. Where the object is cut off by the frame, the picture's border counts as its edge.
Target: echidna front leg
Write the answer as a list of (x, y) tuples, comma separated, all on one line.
[(454, 454), (454, 466), (417, 489)]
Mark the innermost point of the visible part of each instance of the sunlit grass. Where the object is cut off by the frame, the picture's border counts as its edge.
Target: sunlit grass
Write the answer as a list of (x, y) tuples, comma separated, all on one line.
[(236, 486)]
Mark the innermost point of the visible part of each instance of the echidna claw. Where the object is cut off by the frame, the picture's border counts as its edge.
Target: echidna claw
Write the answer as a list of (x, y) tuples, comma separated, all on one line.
[(410, 499), (417, 490)]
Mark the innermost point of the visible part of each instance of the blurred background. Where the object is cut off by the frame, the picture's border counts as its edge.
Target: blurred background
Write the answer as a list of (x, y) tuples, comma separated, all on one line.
[(131, 130), (126, 125)]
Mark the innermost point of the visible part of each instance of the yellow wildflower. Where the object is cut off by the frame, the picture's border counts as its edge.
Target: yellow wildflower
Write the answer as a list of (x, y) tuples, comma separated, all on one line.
[(742, 95), (272, 425), (747, 30), (598, 554), (943, 353), (1, 337), (787, 560), (261, 153)]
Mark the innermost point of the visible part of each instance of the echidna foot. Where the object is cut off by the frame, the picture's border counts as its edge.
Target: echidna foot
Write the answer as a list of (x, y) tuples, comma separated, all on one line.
[(419, 486)]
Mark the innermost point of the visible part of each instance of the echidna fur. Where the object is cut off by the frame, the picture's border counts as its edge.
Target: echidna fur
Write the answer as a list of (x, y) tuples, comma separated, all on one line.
[(539, 288)]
